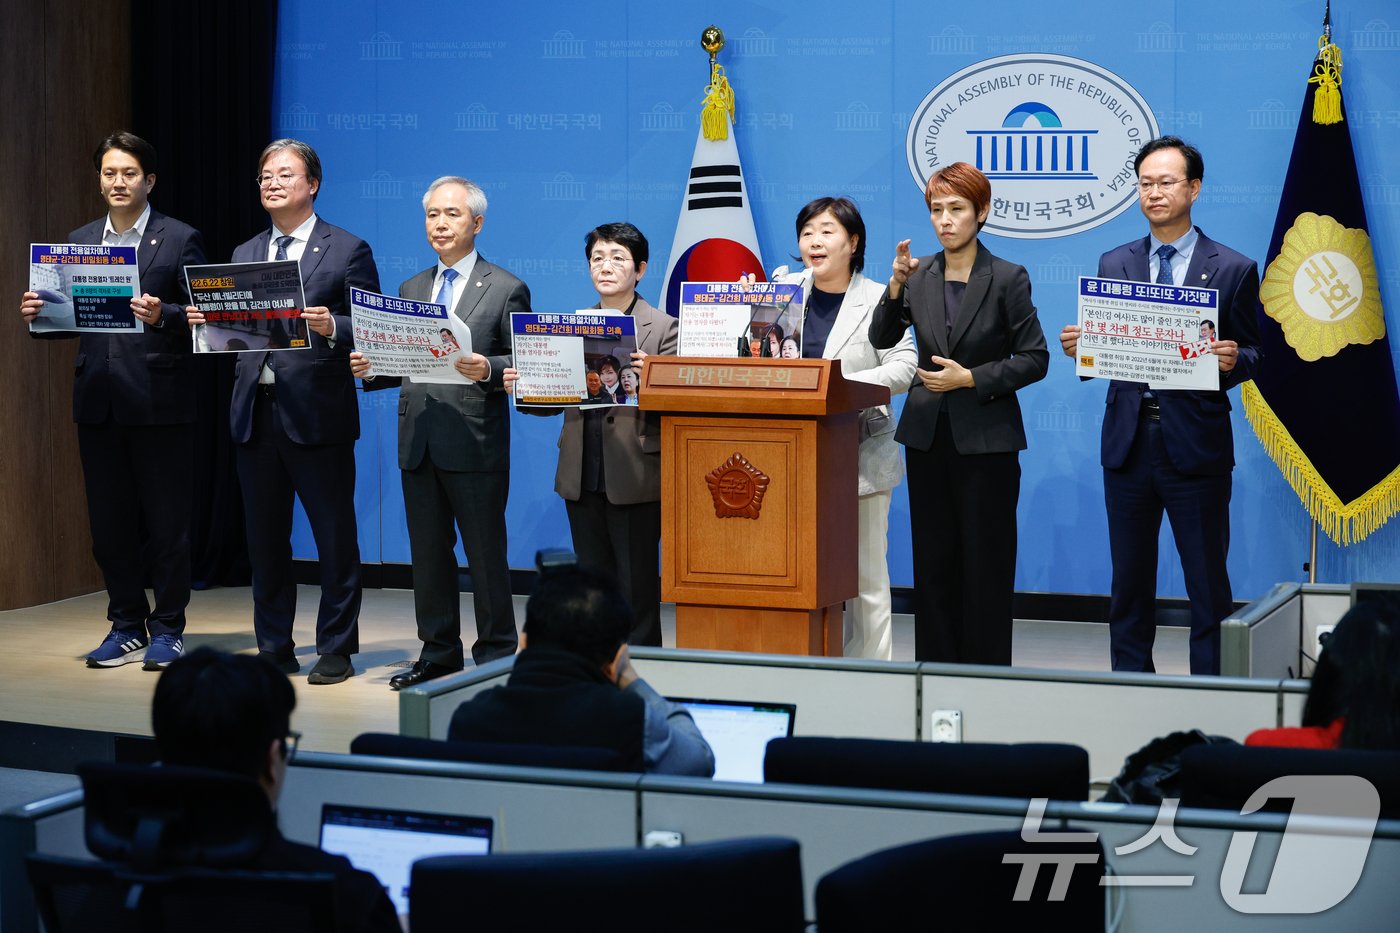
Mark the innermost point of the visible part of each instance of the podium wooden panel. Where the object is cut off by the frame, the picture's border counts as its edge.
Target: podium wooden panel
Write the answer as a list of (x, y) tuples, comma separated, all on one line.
[(758, 499)]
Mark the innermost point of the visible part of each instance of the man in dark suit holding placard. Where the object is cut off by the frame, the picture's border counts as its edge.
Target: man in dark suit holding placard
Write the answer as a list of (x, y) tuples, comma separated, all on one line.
[(134, 403), (1173, 450), (454, 443), (295, 418)]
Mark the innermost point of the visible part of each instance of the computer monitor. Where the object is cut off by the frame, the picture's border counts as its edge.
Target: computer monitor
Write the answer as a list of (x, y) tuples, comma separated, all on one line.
[(738, 732), (1387, 595), (386, 843)]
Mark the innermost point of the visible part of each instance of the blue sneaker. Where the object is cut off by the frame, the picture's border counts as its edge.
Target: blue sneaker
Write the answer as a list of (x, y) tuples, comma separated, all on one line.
[(163, 650), (118, 648)]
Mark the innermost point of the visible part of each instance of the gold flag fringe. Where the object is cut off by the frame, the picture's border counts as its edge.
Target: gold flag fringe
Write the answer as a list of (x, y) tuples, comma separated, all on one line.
[(1327, 75), (718, 111), (1344, 522)]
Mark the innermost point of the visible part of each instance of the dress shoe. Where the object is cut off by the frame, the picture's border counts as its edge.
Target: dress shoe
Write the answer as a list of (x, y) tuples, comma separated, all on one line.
[(421, 672), (330, 669), (286, 663)]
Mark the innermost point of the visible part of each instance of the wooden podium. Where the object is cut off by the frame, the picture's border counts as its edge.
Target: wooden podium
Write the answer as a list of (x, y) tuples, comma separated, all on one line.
[(758, 499)]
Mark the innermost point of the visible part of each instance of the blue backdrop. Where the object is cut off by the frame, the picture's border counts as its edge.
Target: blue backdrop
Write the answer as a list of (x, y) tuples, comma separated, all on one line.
[(571, 114)]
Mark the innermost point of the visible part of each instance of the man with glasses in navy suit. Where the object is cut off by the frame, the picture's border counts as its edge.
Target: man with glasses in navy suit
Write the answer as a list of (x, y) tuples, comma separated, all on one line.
[(295, 418), (1173, 450)]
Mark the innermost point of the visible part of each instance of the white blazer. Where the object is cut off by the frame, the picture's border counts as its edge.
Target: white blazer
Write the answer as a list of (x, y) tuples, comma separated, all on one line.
[(881, 467)]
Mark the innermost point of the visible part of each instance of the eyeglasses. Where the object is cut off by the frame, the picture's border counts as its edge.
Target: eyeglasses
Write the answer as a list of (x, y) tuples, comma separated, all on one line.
[(283, 180), (1165, 186), (289, 744), (617, 262), (129, 175)]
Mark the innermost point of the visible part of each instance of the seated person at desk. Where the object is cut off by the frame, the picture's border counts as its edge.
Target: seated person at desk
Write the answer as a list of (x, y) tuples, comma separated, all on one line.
[(574, 684), (232, 712), (1354, 699)]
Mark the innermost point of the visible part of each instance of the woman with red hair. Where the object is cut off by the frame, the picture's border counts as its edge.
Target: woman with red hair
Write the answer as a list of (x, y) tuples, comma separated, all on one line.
[(979, 340)]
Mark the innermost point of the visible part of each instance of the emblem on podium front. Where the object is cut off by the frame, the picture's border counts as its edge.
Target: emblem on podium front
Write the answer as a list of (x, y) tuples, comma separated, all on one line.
[(737, 487)]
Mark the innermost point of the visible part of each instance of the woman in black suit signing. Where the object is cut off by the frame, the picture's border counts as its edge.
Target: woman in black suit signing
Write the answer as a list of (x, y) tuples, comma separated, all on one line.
[(979, 340)]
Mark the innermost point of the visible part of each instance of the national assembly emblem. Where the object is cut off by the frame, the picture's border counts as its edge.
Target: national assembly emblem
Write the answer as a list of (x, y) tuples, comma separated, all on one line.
[(1322, 288), (737, 488), (1055, 135)]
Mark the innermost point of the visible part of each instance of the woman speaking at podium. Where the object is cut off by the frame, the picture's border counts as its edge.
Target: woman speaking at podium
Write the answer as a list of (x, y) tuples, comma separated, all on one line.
[(835, 319), (979, 340)]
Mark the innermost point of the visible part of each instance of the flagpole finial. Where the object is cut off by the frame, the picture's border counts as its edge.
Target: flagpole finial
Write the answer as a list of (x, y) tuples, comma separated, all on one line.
[(712, 40), (1327, 75), (718, 111)]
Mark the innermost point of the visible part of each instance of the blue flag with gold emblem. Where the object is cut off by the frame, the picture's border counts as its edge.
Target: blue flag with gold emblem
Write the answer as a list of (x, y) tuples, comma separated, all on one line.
[(1324, 404)]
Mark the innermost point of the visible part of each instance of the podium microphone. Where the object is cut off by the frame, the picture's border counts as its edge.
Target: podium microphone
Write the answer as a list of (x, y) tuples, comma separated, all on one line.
[(804, 280), (745, 337)]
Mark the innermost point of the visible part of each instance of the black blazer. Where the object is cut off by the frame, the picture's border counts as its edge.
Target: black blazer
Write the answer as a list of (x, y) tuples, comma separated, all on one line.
[(316, 392), (145, 378), (997, 335)]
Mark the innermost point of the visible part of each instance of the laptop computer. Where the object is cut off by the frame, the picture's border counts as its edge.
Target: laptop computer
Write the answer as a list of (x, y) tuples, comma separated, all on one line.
[(738, 732), (386, 843)]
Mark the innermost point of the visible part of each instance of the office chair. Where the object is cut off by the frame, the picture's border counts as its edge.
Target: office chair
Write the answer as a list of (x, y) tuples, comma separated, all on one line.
[(570, 757), (75, 896), (1224, 776), (171, 841), (1059, 772), (738, 886), (962, 883)]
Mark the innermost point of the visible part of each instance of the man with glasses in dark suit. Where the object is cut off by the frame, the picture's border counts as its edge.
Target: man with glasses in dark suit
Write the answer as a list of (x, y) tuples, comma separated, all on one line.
[(1172, 451), (295, 418)]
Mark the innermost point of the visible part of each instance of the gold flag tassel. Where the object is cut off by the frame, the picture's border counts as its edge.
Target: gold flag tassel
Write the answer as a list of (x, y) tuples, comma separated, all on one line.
[(719, 105), (1344, 522), (1327, 75)]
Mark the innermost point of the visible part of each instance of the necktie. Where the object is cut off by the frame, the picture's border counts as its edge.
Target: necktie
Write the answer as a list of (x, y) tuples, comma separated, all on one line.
[(269, 359), (444, 295), (1164, 264)]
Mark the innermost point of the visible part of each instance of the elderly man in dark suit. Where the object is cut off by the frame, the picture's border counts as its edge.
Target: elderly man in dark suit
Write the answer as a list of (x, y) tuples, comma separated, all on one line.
[(295, 418), (1173, 450), (454, 443), (609, 473), (134, 403)]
